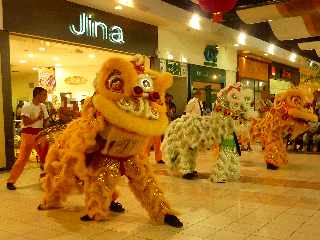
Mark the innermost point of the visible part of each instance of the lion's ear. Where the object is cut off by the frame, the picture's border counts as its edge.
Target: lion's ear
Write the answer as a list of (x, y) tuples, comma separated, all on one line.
[(164, 81)]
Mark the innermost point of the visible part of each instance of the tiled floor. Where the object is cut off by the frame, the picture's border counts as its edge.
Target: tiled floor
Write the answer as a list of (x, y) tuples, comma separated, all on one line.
[(263, 205)]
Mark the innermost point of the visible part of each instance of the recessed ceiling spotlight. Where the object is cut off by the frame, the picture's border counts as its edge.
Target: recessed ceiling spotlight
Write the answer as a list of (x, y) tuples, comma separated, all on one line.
[(55, 58), (92, 56), (311, 63), (271, 49), (35, 69), (236, 45), (242, 38), (30, 55), (214, 76), (184, 59), (22, 61), (170, 56), (48, 44), (128, 3), (270, 20), (293, 57), (266, 54), (42, 49), (118, 7), (195, 22)]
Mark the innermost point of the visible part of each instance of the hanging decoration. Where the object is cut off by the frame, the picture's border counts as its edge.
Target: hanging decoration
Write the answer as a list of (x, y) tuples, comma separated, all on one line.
[(217, 7), (75, 80), (47, 78)]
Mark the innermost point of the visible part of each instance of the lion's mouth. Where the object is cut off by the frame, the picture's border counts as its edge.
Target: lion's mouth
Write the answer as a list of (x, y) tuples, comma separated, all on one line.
[(139, 107), (304, 115)]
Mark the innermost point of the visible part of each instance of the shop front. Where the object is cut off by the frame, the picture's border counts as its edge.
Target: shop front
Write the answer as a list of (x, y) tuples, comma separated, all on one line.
[(208, 80), (254, 75), (282, 78), (60, 45)]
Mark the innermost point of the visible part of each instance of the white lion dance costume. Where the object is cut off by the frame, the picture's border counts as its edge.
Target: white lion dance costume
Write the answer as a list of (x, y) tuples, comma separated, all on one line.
[(188, 135), (108, 141)]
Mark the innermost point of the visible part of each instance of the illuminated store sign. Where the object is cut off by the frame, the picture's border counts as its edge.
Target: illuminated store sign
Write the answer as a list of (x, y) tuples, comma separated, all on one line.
[(91, 28)]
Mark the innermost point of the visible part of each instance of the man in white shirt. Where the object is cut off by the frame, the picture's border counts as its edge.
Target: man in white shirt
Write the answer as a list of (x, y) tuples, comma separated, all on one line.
[(34, 117), (194, 106)]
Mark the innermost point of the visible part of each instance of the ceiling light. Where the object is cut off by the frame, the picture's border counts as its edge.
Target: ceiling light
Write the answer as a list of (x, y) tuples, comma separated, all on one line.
[(169, 56), (293, 57), (311, 63), (92, 56), (48, 44), (42, 49), (214, 76), (271, 49), (55, 58), (195, 21), (242, 38), (266, 54), (35, 69), (128, 3), (270, 20), (30, 55), (118, 7), (23, 61), (184, 59), (236, 45), (58, 65)]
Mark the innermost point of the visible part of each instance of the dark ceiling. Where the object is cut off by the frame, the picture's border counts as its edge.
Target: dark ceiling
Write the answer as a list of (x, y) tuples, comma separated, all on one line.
[(260, 30)]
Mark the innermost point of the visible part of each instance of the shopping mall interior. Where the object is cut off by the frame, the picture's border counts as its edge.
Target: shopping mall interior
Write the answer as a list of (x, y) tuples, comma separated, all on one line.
[(159, 120)]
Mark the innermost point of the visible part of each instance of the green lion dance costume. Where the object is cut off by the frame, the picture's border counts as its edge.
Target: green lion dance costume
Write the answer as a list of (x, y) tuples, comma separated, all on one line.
[(188, 135), (108, 141)]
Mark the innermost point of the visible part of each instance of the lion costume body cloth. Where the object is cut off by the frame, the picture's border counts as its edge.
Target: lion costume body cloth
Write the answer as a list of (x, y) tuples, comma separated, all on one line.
[(108, 140), (290, 114), (188, 135)]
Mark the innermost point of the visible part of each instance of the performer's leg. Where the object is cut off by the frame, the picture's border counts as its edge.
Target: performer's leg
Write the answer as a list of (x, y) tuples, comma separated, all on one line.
[(145, 188), (188, 163), (157, 150), (58, 180), (99, 189), (42, 147), (219, 170), (27, 143), (233, 170), (275, 153)]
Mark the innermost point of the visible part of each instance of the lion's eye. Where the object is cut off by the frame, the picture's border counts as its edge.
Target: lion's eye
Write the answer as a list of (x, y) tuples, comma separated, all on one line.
[(115, 82), (145, 82), (296, 100)]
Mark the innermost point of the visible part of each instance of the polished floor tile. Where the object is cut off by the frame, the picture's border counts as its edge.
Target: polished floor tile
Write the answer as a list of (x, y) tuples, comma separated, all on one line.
[(263, 205)]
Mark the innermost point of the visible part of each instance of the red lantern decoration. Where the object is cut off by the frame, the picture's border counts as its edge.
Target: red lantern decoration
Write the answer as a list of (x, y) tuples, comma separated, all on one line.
[(217, 7)]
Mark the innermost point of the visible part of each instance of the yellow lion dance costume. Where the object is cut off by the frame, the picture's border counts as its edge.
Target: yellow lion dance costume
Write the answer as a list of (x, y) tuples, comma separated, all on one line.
[(108, 141), (290, 115)]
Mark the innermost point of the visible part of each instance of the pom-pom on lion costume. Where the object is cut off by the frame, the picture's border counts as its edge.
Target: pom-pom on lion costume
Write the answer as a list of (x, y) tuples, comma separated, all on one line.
[(290, 115), (108, 140)]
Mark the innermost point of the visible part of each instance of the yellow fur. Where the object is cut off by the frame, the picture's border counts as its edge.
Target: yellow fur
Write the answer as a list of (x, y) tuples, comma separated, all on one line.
[(106, 142)]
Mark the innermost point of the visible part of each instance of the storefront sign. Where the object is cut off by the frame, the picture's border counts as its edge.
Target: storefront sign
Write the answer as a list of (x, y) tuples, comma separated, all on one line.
[(173, 67), (70, 22), (89, 27), (206, 74), (210, 55)]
